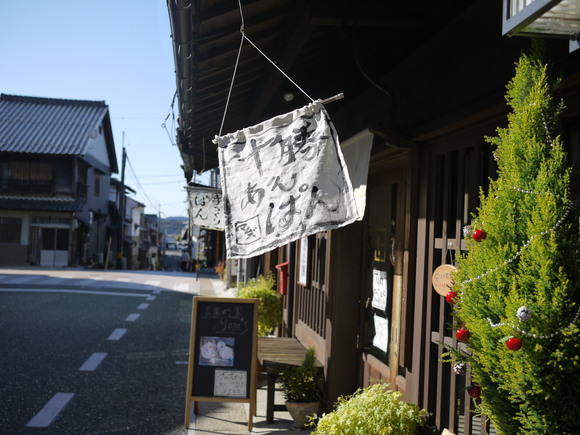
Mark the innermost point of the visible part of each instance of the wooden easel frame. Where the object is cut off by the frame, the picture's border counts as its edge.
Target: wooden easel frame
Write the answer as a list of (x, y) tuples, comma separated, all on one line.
[(193, 358)]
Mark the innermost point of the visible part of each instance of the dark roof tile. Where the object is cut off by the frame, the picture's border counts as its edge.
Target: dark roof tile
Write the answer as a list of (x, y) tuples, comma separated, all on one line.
[(48, 125), (40, 203)]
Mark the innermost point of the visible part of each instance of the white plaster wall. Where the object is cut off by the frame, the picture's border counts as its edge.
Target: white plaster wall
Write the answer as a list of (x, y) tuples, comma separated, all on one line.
[(97, 148)]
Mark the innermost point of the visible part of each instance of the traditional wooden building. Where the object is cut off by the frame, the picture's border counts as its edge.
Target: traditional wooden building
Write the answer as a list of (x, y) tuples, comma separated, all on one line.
[(426, 81), (56, 160)]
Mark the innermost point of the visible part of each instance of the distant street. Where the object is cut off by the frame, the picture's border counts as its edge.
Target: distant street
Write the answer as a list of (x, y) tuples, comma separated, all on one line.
[(94, 352)]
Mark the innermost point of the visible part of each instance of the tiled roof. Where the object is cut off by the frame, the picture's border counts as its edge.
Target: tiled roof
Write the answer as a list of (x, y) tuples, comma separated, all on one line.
[(40, 203), (48, 125)]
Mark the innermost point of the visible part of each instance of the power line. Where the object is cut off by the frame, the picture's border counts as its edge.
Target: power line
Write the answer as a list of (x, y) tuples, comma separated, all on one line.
[(142, 190), (172, 114), (159, 176), (139, 184), (164, 182)]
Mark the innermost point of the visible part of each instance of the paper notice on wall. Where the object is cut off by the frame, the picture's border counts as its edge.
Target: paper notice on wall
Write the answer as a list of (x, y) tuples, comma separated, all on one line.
[(230, 383), (380, 289), (381, 338), (206, 208), (282, 180)]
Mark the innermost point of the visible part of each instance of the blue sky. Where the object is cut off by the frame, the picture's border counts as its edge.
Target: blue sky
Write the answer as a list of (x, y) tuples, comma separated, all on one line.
[(119, 51)]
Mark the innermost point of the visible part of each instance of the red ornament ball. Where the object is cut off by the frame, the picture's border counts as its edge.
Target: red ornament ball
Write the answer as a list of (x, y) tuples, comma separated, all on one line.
[(474, 391), (479, 235), (462, 334), (450, 297), (514, 344)]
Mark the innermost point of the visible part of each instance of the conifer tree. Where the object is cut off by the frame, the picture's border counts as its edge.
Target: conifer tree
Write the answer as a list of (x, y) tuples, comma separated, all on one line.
[(518, 285)]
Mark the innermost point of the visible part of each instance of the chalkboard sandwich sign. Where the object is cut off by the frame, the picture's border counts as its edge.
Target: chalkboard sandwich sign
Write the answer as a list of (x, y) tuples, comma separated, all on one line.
[(222, 352)]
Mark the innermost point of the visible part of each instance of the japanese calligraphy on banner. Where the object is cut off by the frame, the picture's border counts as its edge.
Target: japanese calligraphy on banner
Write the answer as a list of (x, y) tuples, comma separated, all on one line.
[(206, 207), (282, 180)]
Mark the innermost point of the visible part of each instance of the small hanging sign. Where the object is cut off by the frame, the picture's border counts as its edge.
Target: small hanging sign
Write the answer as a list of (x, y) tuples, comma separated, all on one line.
[(443, 278), (282, 180), (206, 208)]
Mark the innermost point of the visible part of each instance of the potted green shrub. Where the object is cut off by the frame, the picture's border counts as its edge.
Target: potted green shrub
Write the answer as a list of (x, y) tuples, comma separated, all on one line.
[(270, 302), (302, 389), (375, 410)]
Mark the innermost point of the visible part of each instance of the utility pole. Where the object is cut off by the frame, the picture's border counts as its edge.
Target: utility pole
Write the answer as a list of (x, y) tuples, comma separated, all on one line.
[(121, 210)]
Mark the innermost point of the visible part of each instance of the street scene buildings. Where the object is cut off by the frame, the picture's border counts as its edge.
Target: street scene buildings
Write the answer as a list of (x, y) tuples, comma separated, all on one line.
[(410, 91), (423, 86)]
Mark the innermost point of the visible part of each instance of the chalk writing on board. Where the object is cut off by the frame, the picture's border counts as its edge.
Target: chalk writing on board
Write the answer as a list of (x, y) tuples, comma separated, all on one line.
[(380, 289), (230, 383), (226, 320), (216, 351)]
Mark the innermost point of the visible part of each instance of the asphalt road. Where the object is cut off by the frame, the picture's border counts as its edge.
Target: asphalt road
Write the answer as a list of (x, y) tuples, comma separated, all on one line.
[(94, 354)]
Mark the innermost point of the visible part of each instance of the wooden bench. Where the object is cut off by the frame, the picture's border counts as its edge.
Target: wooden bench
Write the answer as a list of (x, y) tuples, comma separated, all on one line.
[(274, 355)]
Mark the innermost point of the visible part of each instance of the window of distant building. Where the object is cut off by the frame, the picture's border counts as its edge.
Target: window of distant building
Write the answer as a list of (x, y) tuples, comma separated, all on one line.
[(97, 184), (63, 175), (26, 176), (4, 175), (10, 230)]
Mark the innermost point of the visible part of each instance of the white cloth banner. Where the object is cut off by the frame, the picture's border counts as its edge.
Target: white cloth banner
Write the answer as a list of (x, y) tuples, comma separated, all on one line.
[(206, 208), (357, 154), (282, 180)]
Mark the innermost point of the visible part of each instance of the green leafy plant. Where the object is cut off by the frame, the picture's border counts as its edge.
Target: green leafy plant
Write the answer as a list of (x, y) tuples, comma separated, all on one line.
[(518, 286), (302, 383), (375, 410), (270, 305)]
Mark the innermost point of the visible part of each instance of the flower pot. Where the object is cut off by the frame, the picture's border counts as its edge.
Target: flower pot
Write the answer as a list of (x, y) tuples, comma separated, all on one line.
[(300, 411)]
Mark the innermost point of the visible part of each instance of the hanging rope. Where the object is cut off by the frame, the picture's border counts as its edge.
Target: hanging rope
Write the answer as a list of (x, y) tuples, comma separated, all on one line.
[(243, 32), (278, 68), (233, 78)]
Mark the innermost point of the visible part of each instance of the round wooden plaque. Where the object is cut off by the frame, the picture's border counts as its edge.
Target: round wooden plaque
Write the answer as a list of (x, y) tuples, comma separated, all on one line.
[(443, 278)]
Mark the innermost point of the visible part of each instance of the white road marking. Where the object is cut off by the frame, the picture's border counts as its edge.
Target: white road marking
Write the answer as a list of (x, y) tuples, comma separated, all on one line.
[(93, 362), (117, 334), (151, 298), (88, 292), (132, 317), (181, 362), (51, 410), (156, 292), (143, 306), (181, 286)]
